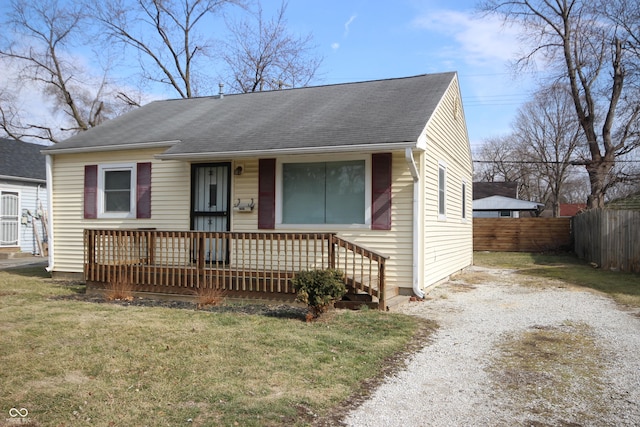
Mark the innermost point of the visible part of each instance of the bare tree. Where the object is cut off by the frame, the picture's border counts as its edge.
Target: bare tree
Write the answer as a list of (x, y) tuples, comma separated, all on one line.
[(590, 52), (499, 159), (546, 130), (263, 55), (167, 35), (43, 34)]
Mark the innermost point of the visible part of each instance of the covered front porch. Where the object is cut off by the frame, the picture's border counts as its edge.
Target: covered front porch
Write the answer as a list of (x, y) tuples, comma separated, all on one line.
[(243, 265)]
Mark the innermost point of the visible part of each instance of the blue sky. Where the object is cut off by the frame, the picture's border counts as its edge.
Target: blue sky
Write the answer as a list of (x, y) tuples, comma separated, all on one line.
[(376, 39), (379, 39)]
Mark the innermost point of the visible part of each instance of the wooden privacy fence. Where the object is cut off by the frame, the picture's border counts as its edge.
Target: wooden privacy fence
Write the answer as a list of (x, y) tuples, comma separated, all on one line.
[(521, 234), (609, 238), (245, 264)]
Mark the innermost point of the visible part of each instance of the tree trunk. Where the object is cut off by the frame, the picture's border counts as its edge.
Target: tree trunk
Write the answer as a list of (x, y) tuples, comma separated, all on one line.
[(598, 173)]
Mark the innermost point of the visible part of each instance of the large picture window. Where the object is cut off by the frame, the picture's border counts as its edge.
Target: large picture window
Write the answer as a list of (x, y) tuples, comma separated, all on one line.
[(324, 192)]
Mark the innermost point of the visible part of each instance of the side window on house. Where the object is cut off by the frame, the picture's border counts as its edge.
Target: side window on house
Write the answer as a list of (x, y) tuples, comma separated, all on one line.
[(323, 192), (117, 191), (442, 185), (464, 200)]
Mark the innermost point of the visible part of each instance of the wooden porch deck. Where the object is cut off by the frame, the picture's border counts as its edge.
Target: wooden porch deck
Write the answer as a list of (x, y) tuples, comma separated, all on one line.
[(246, 265)]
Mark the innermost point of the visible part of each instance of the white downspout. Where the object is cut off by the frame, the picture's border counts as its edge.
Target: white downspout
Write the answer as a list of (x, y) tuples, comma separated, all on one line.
[(408, 155), (50, 239)]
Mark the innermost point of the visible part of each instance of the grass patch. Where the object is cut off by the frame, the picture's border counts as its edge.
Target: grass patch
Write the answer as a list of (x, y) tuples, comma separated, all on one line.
[(622, 287), (552, 374), (73, 362)]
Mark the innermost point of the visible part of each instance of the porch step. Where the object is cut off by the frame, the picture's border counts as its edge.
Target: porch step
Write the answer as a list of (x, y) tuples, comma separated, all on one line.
[(356, 305), (354, 301)]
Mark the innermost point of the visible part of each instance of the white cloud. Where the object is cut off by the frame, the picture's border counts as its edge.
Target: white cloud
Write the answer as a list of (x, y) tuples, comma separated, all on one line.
[(480, 42), (335, 46), (348, 24)]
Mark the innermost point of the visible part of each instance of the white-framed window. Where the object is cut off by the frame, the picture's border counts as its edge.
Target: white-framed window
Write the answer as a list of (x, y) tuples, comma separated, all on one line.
[(464, 200), (323, 192), (442, 190), (116, 190)]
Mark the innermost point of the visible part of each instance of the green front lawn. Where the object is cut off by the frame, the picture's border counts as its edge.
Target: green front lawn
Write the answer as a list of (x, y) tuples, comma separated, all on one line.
[(71, 362)]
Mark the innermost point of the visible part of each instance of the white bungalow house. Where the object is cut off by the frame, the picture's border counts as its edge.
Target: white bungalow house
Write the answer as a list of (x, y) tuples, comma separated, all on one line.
[(23, 198), (241, 191)]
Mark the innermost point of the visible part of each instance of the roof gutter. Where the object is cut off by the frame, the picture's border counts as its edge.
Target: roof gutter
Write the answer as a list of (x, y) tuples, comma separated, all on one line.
[(118, 147), (288, 151), (22, 179), (417, 289)]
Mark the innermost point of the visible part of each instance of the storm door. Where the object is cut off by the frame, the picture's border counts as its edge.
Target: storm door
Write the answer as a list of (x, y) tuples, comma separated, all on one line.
[(210, 193), (9, 219)]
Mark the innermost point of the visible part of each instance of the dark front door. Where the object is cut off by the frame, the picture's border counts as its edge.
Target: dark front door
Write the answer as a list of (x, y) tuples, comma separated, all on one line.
[(210, 194)]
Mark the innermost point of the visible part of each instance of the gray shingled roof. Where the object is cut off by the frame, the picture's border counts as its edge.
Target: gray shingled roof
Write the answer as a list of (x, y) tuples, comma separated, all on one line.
[(482, 190), (22, 160), (367, 113)]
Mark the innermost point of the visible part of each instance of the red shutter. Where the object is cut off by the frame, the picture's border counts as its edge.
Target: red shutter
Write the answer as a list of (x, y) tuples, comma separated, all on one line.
[(381, 191), (91, 191), (143, 191), (267, 194)]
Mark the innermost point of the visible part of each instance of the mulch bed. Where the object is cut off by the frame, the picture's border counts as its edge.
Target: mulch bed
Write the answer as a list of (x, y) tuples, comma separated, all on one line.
[(271, 310)]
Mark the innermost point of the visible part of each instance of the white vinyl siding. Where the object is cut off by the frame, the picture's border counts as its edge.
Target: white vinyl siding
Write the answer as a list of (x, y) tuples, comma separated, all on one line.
[(448, 243), (170, 185)]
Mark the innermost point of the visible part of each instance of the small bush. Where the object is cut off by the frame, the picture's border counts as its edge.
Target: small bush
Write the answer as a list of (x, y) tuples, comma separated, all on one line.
[(210, 296), (319, 289), (119, 290)]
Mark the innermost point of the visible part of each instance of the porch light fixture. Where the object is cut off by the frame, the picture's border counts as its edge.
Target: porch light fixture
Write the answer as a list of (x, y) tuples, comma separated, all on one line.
[(238, 170), (245, 206)]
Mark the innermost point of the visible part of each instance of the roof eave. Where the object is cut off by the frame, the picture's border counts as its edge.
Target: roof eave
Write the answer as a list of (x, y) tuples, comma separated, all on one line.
[(23, 179), (118, 147), (289, 151)]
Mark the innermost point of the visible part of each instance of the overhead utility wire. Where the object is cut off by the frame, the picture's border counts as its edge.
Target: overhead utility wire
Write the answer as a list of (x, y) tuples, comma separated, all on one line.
[(571, 162)]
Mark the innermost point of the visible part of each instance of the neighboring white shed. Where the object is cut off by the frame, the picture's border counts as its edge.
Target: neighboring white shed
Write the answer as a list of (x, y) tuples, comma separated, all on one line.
[(503, 207), (23, 197)]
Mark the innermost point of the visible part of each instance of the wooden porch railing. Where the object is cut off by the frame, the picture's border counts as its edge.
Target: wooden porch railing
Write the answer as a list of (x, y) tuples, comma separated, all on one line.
[(244, 264)]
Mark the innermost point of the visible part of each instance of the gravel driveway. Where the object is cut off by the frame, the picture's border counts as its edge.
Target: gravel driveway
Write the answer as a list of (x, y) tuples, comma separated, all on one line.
[(453, 381)]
